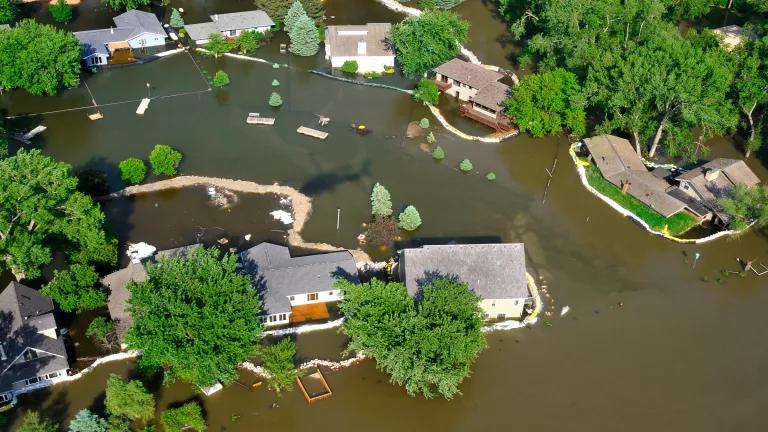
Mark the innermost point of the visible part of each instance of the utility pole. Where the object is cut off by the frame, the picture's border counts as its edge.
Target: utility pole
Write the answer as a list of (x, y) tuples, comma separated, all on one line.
[(338, 218)]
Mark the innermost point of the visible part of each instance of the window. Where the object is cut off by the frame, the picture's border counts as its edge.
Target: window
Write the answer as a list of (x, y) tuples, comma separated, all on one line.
[(283, 317), (312, 297), (272, 318), (30, 354), (517, 302), (5, 397), (291, 298), (485, 316), (501, 316), (32, 380), (233, 32)]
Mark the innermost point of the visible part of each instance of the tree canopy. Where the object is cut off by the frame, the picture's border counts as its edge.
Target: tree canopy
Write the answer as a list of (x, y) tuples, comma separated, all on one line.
[(38, 58), (277, 9), (7, 11), (194, 318), (39, 208), (130, 400), (746, 205), (428, 40), (295, 12), (426, 346), (278, 361), (86, 421), (185, 417), (751, 88), (305, 38), (32, 422), (548, 103), (75, 289), (381, 201), (118, 5)]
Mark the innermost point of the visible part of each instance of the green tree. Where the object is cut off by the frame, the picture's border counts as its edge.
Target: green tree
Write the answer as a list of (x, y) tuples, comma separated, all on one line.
[(491, 176), (751, 87), (275, 100), (278, 362), (466, 166), (130, 400), (427, 92), (349, 67), (218, 45), (278, 9), (275, 83), (3, 141), (183, 418), (132, 170), (102, 332), (220, 79), (381, 201), (165, 160), (32, 422), (431, 138), (118, 5), (424, 123), (86, 421), (74, 289), (305, 39), (60, 11), (295, 12), (7, 11), (746, 205), (38, 58), (118, 424), (40, 208), (429, 346), (194, 318), (428, 40), (548, 102), (438, 153), (249, 41), (409, 219), (176, 20)]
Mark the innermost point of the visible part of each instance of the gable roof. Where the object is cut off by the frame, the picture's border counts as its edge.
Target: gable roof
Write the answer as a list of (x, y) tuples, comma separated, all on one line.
[(492, 96), (650, 190), (729, 173), (117, 302), (24, 315), (613, 154), (343, 39), (492, 271), (95, 41), (242, 20), (468, 73), (201, 31), (140, 22), (278, 275)]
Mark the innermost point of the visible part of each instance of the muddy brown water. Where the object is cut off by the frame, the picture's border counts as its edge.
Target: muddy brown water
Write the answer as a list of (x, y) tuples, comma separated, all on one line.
[(684, 352)]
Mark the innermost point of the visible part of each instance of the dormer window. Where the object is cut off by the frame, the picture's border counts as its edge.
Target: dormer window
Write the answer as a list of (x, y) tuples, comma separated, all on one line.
[(30, 354)]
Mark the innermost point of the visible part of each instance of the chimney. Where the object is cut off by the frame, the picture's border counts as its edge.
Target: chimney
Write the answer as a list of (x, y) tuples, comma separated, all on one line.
[(362, 47), (711, 174)]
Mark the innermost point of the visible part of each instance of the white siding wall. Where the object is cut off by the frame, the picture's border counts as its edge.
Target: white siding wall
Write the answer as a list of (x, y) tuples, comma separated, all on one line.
[(463, 92), (238, 31), (92, 60), (276, 319), (322, 297), (149, 40), (364, 63), (511, 308), (483, 111)]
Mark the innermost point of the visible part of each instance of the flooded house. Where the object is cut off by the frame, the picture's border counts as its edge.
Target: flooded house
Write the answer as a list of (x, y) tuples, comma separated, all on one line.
[(229, 25), (495, 272), (481, 94), (295, 289), (32, 353), (134, 30), (365, 44)]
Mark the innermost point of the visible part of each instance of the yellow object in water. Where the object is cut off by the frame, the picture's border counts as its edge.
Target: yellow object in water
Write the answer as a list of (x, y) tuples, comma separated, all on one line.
[(361, 127)]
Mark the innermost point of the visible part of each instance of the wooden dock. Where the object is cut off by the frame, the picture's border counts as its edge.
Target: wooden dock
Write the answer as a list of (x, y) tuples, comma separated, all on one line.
[(255, 118), (321, 388), (312, 132), (142, 106)]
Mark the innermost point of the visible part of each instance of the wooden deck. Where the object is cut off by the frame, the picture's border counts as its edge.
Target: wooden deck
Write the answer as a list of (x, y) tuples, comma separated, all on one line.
[(501, 123), (309, 312), (143, 106), (316, 387), (312, 132), (255, 118)]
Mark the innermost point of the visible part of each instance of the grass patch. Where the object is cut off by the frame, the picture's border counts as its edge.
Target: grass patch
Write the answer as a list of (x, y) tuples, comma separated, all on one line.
[(676, 224)]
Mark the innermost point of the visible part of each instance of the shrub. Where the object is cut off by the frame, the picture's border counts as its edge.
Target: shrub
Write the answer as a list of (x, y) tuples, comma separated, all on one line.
[(218, 45), (275, 100), (409, 219), (491, 176), (86, 421), (424, 123), (427, 92), (186, 416), (466, 166), (275, 83), (382, 232), (129, 399), (165, 160), (349, 67), (32, 422), (220, 79), (372, 74), (132, 170), (381, 201), (60, 11), (278, 361), (102, 332), (249, 41), (438, 153), (431, 138), (176, 20)]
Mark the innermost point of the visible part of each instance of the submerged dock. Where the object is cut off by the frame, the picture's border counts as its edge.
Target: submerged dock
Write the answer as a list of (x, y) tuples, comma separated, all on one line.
[(142, 106), (255, 118), (27, 137), (312, 132)]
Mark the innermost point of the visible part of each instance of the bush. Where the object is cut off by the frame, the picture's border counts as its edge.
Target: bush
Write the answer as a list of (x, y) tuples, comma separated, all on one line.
[(431, 138), (86, 421), (438, 153), (249, 41), (424, 123), (130, 399), (220, 79), (275, 83), (74, 289), (176, 20), (491, 176), (133, 170), (186, 416), (278, 361), (32, 422), (381, 201), (217, 44), (349, 67), (102, 332), (275, 100), (409, 219), (60, 11), (466, 166), (427, 92), (165, 160)]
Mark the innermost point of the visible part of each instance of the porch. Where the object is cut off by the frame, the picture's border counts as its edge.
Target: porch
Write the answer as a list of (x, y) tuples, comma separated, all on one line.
[(500, 122), (441, 85)]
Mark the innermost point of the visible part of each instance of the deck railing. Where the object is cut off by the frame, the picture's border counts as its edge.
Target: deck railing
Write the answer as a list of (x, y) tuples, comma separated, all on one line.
[(501, 122)]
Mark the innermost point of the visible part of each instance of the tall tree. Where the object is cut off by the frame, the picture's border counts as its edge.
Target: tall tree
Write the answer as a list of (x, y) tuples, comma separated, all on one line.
[(75, 289), (32, 422), (86, 421), (7, 11), (292, 16), (751, 87), (118, 5), (40, 208), (217, 44), (746, 205), (425, 41), (279, 363), (194, 318), (186, 417), (428, 346), (305, 39), (548, 103), (381, 201), (130, 400), (176, 20), (277, 9), (38, 58)]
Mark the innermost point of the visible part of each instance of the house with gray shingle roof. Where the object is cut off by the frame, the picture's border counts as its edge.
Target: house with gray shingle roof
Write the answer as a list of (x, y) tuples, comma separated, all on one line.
[(287, 283), (365, 44), (495, 272), (230, 25), (134, 30), (32, 355)]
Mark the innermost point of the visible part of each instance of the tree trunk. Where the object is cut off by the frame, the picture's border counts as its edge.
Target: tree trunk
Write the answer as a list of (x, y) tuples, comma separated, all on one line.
[(751, 130), (657, 137), (636, 139)]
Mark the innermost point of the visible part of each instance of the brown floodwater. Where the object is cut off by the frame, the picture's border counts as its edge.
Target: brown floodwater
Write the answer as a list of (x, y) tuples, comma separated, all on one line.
[(684, 351)]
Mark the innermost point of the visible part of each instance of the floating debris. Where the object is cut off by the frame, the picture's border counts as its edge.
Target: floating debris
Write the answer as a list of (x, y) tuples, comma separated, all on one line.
[(247, 237), (283, 216), (222, 241), (139, 251), (564, 310)]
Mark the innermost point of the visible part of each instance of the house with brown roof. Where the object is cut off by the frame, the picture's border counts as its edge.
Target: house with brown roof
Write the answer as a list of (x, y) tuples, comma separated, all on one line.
[(479, 88), (365, 44)]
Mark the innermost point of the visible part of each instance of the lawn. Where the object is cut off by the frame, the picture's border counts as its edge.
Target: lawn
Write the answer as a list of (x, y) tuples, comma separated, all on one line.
[(676, 224)]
